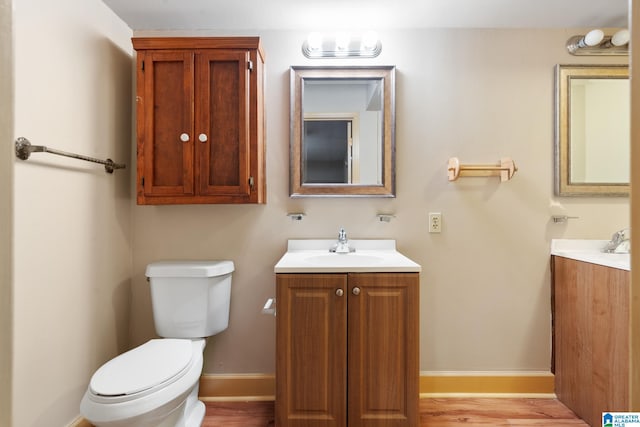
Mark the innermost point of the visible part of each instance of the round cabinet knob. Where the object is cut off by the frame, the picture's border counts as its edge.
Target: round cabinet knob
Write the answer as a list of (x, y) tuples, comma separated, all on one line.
[(184, 137), (356, 291), (202, 137), (339, 292)]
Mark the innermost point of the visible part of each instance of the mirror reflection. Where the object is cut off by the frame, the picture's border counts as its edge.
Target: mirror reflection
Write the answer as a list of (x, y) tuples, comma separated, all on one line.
[(599, 116), (342, 131), (342, 140), (593, 123)]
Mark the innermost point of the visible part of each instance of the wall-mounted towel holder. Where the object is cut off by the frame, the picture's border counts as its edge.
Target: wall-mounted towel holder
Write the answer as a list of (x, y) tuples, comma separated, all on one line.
[(505, 170), (24, 150)]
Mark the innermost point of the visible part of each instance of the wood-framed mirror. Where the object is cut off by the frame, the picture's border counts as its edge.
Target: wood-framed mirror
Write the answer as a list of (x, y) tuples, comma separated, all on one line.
[(342, 131), (592, 144)]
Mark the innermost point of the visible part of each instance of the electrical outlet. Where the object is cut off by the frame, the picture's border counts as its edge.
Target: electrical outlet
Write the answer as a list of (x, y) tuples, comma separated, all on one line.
[(435, 222)]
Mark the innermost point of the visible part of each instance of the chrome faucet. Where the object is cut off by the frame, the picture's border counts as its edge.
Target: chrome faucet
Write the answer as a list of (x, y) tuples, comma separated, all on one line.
[(620, 242), (342, 247)]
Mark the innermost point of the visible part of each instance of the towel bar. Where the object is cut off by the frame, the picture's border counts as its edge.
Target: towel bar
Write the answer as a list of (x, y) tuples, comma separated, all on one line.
[(24, 150), (505, 170)]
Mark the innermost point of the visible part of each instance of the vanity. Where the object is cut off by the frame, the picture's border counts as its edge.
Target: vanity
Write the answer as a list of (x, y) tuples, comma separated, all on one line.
[(347, 341), (590, 301)]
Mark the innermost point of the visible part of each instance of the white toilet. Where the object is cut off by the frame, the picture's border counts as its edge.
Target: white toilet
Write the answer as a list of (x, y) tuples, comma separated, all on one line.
[(156, 384)]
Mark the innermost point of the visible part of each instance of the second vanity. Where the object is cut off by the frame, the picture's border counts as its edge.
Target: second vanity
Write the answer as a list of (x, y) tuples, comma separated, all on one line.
[(347, 339), (591, 327)]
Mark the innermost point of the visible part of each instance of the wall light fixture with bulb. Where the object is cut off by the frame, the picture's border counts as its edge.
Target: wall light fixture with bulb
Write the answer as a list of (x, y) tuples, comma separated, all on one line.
[(595, 42), (342, 45)]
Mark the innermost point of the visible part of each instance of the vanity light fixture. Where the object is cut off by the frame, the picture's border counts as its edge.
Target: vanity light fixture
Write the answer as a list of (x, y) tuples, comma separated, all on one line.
[(341, 45), (595, 42)]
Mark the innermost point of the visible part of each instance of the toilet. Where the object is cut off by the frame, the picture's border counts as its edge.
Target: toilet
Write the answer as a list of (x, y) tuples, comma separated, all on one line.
[(156, 384)]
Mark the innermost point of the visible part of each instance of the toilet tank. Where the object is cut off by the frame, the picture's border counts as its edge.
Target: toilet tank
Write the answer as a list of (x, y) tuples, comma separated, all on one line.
[(190, 299)]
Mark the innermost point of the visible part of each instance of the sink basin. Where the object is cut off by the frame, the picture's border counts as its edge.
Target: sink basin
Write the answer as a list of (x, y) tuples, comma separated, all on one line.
[(590, 251), (353, 258), (313, 256)]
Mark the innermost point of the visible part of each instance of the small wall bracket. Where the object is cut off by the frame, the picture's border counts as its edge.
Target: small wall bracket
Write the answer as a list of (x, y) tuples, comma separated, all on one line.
[(296, 216), (506, 169)]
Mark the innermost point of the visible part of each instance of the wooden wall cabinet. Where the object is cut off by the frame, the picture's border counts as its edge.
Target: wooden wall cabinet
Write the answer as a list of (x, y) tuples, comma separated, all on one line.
[(200, 120), (591, 337), (347, 350)]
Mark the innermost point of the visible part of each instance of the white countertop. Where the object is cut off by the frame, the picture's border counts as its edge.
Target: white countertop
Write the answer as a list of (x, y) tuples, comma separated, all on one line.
[(370, 256), (590, 251)]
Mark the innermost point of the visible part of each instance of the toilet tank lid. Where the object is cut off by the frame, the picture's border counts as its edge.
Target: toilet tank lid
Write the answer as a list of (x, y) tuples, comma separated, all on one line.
[(189, 268)]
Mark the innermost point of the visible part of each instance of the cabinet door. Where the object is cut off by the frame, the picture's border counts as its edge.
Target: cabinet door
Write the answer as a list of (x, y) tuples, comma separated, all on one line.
[(165, 133), (311, 342), (591, 337), (572, 337), (222, 125), (383, 350)]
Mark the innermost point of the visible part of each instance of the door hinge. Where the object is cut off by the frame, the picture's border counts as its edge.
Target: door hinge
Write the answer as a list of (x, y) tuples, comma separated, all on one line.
[(250, 65), (142, 182), (251, 182), (142, 66)]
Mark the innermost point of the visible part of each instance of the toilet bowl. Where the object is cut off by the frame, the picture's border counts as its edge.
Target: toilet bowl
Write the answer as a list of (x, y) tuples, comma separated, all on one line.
[(156, 384), (147, 386)]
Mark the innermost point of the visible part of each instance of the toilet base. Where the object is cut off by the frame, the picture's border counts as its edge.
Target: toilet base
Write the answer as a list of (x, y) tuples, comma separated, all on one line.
[(194, 409), (189, 414), (197, 415)]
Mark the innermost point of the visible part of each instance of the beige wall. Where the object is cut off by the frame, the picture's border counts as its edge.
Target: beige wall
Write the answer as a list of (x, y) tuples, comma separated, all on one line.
[(72, 251), (6, 205), (485, 300)]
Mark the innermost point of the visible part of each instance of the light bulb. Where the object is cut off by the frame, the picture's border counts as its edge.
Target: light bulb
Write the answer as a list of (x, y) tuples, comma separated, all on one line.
[(620, 38), (369, 40), (342, 41), (592, 38), (314, 41)]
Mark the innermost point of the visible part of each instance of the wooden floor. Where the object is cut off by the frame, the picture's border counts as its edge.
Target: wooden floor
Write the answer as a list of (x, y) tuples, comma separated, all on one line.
[(450, 412)]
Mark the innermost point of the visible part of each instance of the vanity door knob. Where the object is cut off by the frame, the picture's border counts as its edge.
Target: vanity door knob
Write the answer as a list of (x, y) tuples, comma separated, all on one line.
[(356, 291), (202, 137), (339, 292), (184, 137)]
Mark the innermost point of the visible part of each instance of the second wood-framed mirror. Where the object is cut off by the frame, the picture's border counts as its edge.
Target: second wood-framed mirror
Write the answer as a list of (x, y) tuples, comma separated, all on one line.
[(342, 131), (592, 144)]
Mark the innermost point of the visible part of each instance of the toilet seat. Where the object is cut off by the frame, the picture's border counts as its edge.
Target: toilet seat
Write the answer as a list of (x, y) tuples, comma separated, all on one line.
[(163, 396), (142, 370)]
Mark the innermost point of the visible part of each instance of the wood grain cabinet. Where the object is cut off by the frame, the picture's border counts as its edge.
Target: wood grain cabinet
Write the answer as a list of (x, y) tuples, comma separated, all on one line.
[(347, 350), (200, 120), (591, 337)]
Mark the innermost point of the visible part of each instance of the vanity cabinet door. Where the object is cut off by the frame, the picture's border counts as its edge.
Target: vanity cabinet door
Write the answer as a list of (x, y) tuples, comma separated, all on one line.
[(311, 343), (347, 350), (591, 337), (383, 347), (200, 121)]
